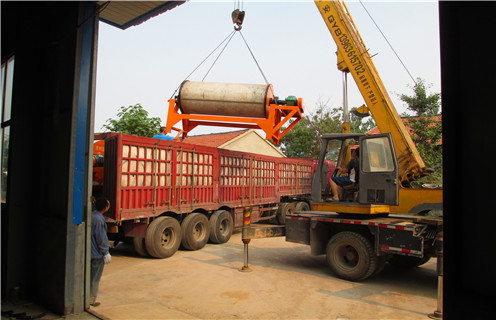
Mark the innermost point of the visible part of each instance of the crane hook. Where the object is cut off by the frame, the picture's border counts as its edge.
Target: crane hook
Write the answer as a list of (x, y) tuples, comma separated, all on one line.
[(237, 18)]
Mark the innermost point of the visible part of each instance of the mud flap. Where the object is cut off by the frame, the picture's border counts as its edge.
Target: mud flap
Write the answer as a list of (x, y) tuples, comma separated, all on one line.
[(398, 241)]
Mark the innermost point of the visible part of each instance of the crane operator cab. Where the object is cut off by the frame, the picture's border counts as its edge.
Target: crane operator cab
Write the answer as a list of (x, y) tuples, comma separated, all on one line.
[(377, 187)]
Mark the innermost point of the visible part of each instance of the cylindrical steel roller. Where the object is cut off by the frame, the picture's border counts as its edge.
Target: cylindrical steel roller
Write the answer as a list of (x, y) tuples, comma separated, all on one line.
[(225, 99)]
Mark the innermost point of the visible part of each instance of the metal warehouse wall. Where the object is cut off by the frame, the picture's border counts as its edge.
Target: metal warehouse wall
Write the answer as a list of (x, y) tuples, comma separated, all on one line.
[(43, 229)]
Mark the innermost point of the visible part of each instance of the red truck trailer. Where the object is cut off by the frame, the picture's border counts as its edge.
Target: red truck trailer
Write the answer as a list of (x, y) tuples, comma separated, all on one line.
[(167, 193)]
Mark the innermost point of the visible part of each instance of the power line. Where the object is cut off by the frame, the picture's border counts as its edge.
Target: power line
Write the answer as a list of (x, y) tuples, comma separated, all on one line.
[(388, 42)]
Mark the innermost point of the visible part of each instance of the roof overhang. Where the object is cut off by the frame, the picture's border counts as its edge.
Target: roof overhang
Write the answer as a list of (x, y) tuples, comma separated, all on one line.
[(125, 14)]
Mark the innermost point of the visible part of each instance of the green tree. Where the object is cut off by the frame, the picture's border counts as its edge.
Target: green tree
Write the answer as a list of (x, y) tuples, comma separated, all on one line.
[(362, 125), (134, 120), (304, 140), (298, 142), (426, 130), (420, 103)]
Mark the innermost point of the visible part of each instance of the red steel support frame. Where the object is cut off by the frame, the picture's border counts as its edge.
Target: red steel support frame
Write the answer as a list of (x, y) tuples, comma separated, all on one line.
[(278, 116)]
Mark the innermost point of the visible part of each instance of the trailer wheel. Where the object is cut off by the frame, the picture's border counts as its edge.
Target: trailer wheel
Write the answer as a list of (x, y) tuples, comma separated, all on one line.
[(302, 206), (139, 246), (351, 256), (284, 209), (196, 231), (221, 226), (163, 237)]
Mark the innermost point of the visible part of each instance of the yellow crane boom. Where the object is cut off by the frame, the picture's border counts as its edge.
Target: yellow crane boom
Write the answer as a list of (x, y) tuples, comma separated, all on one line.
[(353, 57)]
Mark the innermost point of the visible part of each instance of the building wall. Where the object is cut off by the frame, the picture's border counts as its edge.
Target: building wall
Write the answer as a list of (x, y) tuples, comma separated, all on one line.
[(252, 142), (43, 251)]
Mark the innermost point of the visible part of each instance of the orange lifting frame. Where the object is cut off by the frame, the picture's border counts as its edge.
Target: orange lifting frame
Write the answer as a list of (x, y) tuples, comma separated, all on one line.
[(278, 116)]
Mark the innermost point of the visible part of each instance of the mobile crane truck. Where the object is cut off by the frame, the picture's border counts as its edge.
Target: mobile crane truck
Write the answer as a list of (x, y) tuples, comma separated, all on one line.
[(376, 220)]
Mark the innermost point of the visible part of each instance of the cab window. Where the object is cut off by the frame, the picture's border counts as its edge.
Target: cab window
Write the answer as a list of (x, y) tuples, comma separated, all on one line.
[(377, 156)]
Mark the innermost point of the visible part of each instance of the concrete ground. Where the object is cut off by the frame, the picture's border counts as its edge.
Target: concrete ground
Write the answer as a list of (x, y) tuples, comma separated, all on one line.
[(286, 282)]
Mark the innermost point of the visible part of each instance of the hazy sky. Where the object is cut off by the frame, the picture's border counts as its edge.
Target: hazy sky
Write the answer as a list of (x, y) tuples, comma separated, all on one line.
[(146, 63)]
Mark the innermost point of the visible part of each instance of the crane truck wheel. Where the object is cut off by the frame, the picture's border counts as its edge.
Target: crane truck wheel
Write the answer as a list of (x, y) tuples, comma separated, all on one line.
[(139, 246), (163, 237), (221, 226), (351, 256), (196, 231)]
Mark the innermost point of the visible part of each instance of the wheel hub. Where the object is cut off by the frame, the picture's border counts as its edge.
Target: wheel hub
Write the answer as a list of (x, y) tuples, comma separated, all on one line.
[(350, 256), (165, 237)]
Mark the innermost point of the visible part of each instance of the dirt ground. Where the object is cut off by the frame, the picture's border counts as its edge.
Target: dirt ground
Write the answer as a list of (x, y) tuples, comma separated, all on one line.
[(286, 282)]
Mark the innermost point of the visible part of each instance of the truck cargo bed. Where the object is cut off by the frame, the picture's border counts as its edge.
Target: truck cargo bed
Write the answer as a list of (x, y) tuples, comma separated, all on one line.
[(145, 178)]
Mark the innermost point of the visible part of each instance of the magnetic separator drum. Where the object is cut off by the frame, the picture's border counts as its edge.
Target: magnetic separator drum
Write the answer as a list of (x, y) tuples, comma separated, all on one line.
[(225, 99)]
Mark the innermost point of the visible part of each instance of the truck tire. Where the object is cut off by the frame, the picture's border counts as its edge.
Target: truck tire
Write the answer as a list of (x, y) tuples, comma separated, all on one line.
[(163, 237), (381, 263), (302, 206), (221, 226), (139, 246), (351, 256), (284, 209), (196, 231), (406, 262)]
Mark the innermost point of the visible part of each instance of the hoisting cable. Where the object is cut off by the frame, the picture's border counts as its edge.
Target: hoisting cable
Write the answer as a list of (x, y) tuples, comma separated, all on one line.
[(232, 35), (238, 4), (229, 36), (388, 42), (237, 17), (253, 56), (249, 49)]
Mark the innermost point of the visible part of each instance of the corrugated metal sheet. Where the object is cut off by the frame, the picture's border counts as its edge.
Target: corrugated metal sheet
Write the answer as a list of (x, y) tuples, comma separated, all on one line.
[(124, 14)]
